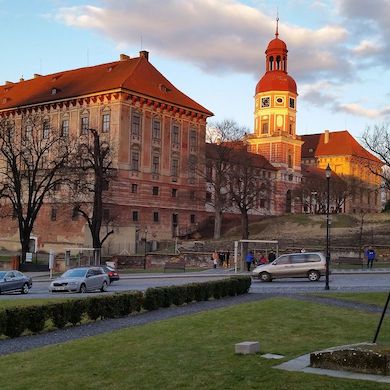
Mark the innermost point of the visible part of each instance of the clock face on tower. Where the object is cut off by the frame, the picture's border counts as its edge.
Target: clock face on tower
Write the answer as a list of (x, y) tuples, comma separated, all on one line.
[(265, 102)]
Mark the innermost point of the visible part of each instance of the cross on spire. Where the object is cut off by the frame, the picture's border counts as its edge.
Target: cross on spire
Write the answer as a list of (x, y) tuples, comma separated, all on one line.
[(277, 23)]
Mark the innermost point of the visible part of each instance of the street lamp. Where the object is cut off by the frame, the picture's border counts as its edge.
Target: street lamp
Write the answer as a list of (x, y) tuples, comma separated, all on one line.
[(146, 236), (328, 173)]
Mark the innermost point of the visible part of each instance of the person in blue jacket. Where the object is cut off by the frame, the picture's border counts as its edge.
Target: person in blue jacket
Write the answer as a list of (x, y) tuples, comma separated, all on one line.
[(370, 253), (249, 260)]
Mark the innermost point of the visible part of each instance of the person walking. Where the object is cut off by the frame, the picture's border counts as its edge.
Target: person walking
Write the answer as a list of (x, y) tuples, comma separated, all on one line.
[(271, 256), (227, 257), (370, 253), (215, 258), (249, 260)]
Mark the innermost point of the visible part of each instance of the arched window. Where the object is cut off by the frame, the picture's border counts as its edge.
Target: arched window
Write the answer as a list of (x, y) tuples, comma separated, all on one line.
[(278, 64), (271, 63), (290, 162)]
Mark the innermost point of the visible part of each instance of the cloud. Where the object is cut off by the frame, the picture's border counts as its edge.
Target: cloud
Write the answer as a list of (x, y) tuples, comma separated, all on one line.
[(356, 109), (215, 35), (320, 94), (369, 19)]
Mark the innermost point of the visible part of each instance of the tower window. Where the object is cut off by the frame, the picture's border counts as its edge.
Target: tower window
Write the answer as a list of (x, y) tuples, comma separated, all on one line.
[(271, 63), (265, 101), (264, 129), (292, 103)]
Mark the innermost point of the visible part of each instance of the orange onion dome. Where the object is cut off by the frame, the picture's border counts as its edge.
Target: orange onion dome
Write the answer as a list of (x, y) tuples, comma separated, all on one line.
[(276, 81), (276, 44)]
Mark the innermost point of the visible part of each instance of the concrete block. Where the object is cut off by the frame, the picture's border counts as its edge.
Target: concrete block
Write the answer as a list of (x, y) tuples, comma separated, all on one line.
[(247, 347)]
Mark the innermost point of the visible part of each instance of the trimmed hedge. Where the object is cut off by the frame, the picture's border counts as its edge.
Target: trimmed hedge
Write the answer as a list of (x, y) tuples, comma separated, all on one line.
[(13, 322)]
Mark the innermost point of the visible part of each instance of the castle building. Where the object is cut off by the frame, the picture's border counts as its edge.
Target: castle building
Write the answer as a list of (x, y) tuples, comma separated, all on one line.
[(156, 133), (275, 125)]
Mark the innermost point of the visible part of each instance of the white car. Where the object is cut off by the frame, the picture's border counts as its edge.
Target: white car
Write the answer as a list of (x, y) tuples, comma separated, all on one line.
[(309, 265), (81, 280)]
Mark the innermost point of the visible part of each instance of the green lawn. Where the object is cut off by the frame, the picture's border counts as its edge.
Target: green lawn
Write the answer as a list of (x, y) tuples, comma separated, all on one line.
[(197, 351), (374, 298)]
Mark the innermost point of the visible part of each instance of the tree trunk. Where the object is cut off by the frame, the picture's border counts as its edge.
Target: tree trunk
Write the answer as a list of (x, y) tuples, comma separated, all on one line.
[(244, 226), (217, 224)]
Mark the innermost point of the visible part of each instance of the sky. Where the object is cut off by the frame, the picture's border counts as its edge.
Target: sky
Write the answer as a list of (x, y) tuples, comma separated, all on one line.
[(213, 50)]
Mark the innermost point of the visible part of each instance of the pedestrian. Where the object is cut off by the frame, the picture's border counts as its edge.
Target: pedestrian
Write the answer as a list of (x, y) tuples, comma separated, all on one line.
[(262, 259), (215, 257), (227, 256), (271, 256), (303, 250), (220, 257), (370, 253), (249, 260)]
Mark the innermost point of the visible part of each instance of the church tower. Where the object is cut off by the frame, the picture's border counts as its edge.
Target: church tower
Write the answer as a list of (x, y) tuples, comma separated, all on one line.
[(275, 123)]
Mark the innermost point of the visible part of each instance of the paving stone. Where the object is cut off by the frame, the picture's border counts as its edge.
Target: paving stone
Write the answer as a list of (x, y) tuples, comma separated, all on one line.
[(247, 347)]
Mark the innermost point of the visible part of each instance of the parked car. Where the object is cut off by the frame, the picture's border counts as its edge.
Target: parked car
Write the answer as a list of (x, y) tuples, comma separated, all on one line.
[(309, 265), (111, 272), (14, 281), (81, 280)]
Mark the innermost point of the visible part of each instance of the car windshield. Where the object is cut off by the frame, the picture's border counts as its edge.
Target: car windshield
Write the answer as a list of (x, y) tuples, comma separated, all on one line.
[(74, 273), (2, 274)]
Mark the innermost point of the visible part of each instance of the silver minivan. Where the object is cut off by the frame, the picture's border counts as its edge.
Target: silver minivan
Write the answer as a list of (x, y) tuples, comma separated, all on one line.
[(309, 265)]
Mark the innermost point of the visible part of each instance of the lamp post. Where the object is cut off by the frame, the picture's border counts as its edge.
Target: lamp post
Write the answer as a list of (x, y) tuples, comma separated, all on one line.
[(328, 173), (146, 236)]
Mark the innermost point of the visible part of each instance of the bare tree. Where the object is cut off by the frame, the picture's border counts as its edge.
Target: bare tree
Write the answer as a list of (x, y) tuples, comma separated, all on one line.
[(34, 161), (377, 140), (221, 138), (250, 187), (93, 163)]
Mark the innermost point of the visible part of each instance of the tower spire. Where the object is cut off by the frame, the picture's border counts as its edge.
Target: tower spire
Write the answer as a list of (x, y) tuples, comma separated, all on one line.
[(277, 23)]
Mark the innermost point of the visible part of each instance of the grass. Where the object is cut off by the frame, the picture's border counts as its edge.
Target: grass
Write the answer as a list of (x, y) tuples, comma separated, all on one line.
[(372, 298), (197, 351)]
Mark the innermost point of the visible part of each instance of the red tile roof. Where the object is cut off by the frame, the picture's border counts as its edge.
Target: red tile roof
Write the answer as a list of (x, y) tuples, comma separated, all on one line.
[(340, 143), (135, 75)]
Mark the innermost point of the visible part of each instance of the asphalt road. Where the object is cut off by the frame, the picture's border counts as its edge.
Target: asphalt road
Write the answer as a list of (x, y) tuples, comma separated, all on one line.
[(338, 282)]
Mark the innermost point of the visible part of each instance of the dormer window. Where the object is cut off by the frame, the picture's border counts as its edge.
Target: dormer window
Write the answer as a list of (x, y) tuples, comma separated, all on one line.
[(54, 91), (164, 88)]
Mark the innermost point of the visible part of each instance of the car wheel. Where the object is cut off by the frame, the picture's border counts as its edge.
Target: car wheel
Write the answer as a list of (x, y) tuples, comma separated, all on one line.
[(25, 289), (313, 275), (83, 289), (265, 277), (104, 287)]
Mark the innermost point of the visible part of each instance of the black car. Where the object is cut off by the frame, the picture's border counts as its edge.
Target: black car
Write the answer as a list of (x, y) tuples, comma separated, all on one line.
[(14, 281), (111, 272)]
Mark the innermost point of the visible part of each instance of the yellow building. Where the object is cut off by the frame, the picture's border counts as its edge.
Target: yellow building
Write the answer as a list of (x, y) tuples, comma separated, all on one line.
[(350, 161)]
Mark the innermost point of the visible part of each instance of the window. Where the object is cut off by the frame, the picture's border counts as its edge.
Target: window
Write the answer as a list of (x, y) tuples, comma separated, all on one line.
[(134, 188), (105, 185), (262, 203), (191, 167), (292, 103), (290, 163), (10, 131), (174, 192), (208, 196), (175, 134), (135, 160), (106, 123), (46, 129), (193, 139), (29, 131), (156, 217), (264, 129), (65, 128), (192, 195), (106, 214), (265, 102), (156, 164), (192, 218), (53, 215), (84, 125), (156, 130), (284, 259), (209, 172), (135, 216), (75, 213), (155, 190), (136, 123), (175, 167)]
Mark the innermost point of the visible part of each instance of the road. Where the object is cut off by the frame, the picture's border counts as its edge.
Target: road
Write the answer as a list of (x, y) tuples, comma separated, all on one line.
[(338, 283)]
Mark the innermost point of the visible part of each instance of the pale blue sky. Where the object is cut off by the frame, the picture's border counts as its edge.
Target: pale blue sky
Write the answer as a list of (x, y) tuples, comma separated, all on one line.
[(213, 50)]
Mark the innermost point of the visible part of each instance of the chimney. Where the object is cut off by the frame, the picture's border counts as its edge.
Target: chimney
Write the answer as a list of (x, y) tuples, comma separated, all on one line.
[(37, 75), (124, 57), (326, 137), (144, 53)]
